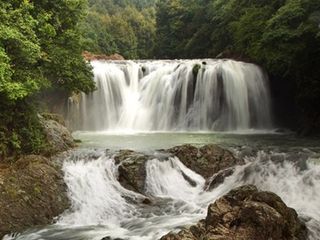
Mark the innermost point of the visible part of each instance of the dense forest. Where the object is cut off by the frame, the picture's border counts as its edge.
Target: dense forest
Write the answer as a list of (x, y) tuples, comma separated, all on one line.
[(41, 44), (125, 27)]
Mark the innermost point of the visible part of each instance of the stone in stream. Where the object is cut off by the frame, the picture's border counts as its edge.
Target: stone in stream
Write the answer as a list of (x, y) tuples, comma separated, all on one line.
[(246, 213), (210, 161), (207, 160), (132, 172)]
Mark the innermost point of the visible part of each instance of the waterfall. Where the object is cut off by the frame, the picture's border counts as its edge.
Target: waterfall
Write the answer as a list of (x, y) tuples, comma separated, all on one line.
[(175, 95)]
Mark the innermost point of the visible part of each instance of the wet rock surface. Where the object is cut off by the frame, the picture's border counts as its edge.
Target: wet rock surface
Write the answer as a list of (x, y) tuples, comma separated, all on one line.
[(132, 172), (32, 192), (246, 213), (207, 160)]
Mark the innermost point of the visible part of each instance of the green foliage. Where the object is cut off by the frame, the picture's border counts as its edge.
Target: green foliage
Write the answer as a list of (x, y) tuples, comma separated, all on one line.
[(177, 21), (97, 38), (195, 70), (20, 130), (61, 44), (40, 48), (124, 27), (19, 51)]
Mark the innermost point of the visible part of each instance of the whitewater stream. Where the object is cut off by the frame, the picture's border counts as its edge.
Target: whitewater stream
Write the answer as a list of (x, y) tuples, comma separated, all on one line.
[(151, 105)]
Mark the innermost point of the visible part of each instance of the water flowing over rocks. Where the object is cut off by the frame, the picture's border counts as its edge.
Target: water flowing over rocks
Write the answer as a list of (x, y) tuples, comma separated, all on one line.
[(32, 192), (210, 161), (246, 213)]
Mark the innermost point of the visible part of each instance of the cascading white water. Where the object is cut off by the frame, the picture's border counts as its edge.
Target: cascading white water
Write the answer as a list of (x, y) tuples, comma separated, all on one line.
[(161, 175), (96, 195), (102, 207), (208, 95)]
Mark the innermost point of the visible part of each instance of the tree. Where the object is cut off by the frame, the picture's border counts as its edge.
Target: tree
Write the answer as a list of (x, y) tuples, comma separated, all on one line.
[(40, 48)]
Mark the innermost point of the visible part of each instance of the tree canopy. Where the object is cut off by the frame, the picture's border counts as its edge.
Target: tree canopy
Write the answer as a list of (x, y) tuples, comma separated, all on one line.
[(120, 26), (40, 48)]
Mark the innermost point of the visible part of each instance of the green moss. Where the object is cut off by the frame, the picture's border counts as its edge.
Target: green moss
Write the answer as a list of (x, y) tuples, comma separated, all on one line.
[(37, 190), (195, 70)]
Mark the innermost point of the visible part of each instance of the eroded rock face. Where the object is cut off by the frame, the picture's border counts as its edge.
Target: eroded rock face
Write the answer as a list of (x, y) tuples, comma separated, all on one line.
[(246, 213), (207, 160), (32, 192)]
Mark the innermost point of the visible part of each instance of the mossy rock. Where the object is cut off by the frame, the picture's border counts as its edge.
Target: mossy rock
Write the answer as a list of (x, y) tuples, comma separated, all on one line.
[(195, 70)]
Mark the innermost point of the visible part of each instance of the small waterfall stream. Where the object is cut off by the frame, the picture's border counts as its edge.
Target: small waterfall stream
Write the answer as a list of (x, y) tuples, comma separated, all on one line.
[(183, 95)]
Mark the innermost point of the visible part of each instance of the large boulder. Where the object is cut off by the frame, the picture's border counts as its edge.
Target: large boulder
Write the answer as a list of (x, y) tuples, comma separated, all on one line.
[(206, 160), (246, 213), (32, 192), (58, 136), (132, 171)]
